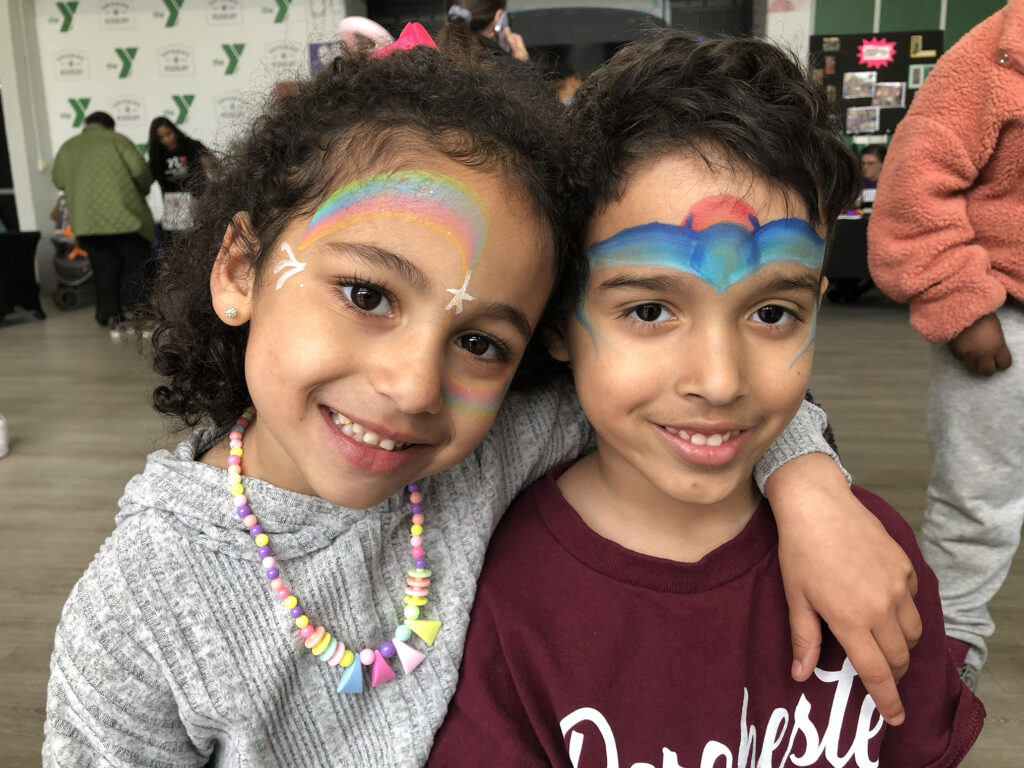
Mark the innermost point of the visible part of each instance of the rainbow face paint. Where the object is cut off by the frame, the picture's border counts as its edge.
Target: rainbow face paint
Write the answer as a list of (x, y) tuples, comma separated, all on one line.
[(721, 253), (482, 403), (438, 203)]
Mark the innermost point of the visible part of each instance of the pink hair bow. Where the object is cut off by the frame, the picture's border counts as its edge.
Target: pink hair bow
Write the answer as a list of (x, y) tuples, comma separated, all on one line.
[(414, 34)]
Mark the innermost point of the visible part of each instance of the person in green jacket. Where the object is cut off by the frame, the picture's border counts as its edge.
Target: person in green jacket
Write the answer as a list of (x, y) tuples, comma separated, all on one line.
[(106, 179)]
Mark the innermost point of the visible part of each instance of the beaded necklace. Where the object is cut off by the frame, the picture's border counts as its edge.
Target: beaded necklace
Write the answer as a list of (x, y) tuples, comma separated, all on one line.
[(323, 645)]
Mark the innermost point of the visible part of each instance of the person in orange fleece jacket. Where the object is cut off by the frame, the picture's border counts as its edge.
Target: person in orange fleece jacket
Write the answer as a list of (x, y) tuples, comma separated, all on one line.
[(946, 236)]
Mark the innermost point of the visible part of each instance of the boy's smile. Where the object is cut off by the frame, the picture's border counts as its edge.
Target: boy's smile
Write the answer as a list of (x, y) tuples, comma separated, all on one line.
[(690, 347), (364, 372)]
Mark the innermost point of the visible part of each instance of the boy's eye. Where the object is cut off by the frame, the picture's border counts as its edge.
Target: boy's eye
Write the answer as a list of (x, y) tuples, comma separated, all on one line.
[(771, 314), (367, 298), (649, 313)]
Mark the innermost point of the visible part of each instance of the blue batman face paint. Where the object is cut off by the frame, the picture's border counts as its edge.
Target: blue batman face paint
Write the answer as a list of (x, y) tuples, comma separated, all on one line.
[(721, 254)]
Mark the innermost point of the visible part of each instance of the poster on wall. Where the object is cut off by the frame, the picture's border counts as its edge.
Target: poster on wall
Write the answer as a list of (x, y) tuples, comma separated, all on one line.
[(872, 78), (206, 65)]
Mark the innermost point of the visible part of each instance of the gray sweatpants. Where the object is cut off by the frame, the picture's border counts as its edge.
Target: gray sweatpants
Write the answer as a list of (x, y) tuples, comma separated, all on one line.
[(975, 504)]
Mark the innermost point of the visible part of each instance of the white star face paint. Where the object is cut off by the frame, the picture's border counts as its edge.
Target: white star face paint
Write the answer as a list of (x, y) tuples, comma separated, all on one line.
[(290, 266)]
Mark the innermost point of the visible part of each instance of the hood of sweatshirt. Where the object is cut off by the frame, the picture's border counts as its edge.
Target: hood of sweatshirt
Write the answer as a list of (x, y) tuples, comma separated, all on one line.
[(193, 497)]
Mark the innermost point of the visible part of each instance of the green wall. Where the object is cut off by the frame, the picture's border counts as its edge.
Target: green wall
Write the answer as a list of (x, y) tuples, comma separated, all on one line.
[(857, 16)]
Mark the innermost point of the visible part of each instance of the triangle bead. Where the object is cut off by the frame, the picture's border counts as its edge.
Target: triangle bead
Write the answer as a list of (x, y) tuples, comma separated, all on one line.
[(382, 671), (352, 678), (427, 629), (409, 656)]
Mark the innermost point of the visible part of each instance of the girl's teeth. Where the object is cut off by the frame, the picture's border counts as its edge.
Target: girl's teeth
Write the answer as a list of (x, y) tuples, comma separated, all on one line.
[(360, 433), (699, 438)]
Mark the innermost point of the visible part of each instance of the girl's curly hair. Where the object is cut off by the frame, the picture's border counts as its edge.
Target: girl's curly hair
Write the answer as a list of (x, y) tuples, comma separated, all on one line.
[(360, 115)]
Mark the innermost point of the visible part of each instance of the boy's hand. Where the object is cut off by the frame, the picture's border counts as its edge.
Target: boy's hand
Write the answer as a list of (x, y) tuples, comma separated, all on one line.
[(981, 347), (838, 562)]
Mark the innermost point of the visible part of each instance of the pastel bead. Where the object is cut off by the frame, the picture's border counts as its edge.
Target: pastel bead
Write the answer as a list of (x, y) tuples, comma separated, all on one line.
[(347, 658), (235, 452), (296, 612), (416, 530), (417, 551), (256, 530), (234, 460), (410, 612), (262, 540), (241, 500), (235, 435), (269, 562), (243, 422), (420, 562), (321, 646), (302, 621), (315, 637), (263, 552), (415, 600), (413, 487), (415, 497), (234, 469), (422, 573), (416, 509), (337, 654), (417, 591), (290, 601), (235, 442), (236, 489), (282, 593), (417, 519), (402, 632), (272, 573), (306, 631), (277, 583), (412, 581), (387, 649), (249, 521), (366, 657), (329, 650), (416, 541), (243, 511)]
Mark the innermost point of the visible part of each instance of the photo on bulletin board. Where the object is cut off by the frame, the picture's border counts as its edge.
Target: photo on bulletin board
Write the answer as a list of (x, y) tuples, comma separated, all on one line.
[(859, 85), (831, 92), (831, 45), (889, 95), (818, 76), (830, 65), (917, 74), (862, 119)]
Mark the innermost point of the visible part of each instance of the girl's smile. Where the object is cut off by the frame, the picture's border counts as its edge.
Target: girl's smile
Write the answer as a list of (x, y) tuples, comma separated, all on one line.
[(385, 353)]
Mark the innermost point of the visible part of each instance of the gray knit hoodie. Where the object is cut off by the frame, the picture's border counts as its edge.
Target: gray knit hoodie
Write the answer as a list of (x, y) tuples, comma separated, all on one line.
[(172, 651)]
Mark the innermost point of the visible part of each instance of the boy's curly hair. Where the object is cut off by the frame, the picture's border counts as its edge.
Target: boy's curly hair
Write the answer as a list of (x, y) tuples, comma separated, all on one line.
[(741, 98), (360, 115)]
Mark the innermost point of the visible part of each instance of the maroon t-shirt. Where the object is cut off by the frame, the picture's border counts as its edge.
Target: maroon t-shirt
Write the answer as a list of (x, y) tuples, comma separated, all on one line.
[(583, 653)]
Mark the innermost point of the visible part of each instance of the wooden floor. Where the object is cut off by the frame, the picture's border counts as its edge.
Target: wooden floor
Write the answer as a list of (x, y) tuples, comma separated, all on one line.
[(80, 424)]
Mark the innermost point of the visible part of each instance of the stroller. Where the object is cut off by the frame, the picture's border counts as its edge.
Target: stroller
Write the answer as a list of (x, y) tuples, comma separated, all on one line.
[(70, 262)]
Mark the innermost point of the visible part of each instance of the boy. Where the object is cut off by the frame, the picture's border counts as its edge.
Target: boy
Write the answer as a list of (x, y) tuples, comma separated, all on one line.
[(711, 175)]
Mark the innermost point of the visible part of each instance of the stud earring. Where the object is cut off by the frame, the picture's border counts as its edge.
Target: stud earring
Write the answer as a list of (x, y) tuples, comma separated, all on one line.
[(231, 313)]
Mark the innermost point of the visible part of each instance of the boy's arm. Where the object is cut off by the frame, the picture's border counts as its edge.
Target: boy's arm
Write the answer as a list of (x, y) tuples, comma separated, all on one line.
[(838, 562)]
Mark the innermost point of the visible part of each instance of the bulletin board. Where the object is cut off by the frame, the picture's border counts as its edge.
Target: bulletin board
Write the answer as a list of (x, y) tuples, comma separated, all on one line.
[(872, 79)]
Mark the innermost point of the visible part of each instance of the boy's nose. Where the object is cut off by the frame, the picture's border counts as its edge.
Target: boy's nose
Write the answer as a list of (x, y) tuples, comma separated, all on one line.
[(714, 368)]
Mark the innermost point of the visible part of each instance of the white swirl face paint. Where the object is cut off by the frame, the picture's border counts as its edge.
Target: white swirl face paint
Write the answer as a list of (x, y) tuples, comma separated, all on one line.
[(290, 266)]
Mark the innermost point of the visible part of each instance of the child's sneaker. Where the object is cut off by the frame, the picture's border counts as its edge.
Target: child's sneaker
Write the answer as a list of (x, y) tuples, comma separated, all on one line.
[(115, 329)]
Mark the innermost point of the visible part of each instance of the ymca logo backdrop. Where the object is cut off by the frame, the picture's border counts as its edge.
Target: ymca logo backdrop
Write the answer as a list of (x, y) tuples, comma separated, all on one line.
[(207, 65)]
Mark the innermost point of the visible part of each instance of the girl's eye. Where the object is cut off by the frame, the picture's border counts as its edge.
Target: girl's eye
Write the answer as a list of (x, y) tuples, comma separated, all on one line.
[(649, 313), (772, 314), (367, 298), (482, 346)]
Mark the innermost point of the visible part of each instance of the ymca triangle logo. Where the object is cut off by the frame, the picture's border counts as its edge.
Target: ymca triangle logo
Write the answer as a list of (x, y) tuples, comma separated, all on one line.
[(173, 7), (282, 10), (67, 12), (127, 56), (79, 106), (232, 51), (183, 103)]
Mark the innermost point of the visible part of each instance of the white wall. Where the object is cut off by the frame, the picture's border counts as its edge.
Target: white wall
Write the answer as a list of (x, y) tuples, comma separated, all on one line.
[(206, 64)]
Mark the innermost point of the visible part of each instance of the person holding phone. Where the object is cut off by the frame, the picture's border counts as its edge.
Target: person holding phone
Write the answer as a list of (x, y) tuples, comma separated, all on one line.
[(489, 22)]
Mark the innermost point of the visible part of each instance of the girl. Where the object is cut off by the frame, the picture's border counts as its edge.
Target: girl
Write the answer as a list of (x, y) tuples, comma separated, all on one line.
[(366, 272), (178, 163)]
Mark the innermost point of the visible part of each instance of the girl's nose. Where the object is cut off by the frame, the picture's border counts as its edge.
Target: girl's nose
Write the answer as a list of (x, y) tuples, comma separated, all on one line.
[(411, 377)]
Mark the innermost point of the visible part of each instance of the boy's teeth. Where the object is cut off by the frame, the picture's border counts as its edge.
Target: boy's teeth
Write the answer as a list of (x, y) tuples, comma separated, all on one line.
[(699, 438), (361, 434)]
